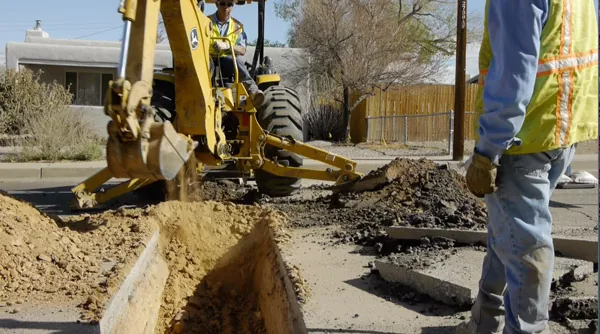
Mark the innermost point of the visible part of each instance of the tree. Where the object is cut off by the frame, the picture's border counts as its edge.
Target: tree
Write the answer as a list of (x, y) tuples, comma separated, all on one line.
[(365, 45), (161, 34), (268, 43)]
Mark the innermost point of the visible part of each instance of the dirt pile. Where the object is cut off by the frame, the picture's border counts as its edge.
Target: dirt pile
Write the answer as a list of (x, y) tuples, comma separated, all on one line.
[(81, 260), (405, 192)]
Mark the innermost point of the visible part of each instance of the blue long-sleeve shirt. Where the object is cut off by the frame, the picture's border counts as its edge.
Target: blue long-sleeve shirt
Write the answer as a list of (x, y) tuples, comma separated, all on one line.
[(514, 29)]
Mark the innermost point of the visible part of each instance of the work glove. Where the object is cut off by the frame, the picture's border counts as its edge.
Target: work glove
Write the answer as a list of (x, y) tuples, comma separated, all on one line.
[(221, 45), (481, 175)]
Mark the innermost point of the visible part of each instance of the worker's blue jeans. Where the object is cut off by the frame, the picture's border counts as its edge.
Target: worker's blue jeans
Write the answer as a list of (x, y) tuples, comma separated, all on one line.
[(227, 69), (514, 289)]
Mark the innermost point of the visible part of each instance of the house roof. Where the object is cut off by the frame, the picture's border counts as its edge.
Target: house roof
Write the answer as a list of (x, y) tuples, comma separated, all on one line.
[(38, 48)]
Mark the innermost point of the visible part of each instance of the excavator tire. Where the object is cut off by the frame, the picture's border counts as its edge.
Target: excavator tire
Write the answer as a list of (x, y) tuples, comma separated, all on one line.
[(280, 114)]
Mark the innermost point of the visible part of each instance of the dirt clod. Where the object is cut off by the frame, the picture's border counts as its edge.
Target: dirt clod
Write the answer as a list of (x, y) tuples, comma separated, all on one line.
[(575, 308)]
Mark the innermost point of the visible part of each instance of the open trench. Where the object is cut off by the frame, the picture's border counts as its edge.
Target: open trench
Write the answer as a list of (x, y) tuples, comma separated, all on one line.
[(227, 275), (225, 271)]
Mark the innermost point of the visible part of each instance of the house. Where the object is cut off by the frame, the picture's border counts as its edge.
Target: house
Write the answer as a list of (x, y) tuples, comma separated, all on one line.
[(85, 67)]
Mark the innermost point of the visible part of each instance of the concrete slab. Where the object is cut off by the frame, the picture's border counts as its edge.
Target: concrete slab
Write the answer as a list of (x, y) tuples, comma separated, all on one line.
[(133, 308), (82, 170), (17, 171), (344, 299), (442, 289), (567, 247), (455, 280), (42, 319)]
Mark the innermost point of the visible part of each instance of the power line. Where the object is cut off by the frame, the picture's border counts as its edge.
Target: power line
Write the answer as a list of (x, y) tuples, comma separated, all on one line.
[(63, 23), (98, 32)]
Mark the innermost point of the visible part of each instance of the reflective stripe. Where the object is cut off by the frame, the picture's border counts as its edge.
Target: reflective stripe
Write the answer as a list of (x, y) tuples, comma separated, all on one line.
[(555, 65), (566, 28), (562, 107), (567, 64), (565, 85), (481, 79)]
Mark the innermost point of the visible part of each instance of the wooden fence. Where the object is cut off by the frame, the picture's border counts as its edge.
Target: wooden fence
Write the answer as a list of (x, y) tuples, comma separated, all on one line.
[(415, 113)]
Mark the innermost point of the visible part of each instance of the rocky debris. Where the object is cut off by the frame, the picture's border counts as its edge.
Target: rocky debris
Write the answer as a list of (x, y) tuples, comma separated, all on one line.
[(301, 287), (425, 254), (406, 192), (46, 259), (253, 196), (593, 326), (574, 308), (221, 190), (564, 283)]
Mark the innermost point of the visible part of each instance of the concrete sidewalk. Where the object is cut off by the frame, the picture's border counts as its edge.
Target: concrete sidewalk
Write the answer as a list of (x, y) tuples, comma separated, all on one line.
[(84, 169)]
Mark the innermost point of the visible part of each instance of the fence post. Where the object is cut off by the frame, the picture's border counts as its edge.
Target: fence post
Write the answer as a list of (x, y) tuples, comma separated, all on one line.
[(382, 127), (368, 132), (451, 133), (405, 135)]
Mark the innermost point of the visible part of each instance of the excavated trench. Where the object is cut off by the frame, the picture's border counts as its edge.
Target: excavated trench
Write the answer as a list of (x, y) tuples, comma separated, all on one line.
[(227, 275), (225, 271)]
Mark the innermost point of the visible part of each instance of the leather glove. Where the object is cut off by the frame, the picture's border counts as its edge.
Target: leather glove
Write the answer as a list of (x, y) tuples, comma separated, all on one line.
[(221, 45), (481, 175)]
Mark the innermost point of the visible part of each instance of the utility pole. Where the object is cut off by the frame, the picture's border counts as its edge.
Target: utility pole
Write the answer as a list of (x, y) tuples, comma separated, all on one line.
[(459, 85)]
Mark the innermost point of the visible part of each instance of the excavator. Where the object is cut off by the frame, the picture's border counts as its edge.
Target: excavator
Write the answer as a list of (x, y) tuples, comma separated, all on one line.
[(166, 126)]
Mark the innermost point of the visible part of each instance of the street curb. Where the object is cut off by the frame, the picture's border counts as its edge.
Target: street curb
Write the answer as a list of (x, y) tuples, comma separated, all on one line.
[(10, 171)]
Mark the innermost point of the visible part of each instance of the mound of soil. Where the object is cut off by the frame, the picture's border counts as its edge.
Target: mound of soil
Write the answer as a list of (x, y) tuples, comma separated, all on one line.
[(405, 192), (51, 260)]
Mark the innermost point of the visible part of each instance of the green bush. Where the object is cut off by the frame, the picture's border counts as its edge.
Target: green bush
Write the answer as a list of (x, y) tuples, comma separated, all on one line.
[(41, 113)]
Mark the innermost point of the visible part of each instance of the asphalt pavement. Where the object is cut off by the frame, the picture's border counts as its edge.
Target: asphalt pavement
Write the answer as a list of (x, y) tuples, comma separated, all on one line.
[(575, 211)]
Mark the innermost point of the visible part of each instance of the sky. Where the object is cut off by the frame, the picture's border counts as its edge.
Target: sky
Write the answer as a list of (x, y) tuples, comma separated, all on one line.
[(99, 20)]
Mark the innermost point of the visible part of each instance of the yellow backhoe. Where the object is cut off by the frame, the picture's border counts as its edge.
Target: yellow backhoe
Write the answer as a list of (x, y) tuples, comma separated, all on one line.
[(169, 124)]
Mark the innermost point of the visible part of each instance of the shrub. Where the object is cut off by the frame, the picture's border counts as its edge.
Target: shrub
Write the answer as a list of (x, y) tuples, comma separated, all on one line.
[(324, 121), (41, 112)]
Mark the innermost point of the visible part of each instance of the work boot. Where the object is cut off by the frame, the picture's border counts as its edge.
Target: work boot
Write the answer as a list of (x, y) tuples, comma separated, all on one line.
[(257, 96), (469, 327)]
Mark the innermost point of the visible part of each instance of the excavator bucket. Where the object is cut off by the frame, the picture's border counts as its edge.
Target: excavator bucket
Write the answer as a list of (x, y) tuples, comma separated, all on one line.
[(159, 157)]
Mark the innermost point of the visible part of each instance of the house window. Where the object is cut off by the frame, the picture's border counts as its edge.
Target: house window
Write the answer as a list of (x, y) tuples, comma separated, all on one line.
[(88, 88), (71, 85)]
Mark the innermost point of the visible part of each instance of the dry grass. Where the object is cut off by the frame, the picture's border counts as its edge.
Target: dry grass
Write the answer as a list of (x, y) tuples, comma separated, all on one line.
[(41, 111)]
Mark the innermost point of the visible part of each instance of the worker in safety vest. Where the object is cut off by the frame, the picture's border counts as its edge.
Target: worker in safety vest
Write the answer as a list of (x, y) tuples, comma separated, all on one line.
[(538, 97), (233, 30)]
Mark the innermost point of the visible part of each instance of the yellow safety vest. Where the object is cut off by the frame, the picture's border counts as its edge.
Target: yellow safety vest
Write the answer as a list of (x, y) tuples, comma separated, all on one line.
[(234, 30), (564, 107)]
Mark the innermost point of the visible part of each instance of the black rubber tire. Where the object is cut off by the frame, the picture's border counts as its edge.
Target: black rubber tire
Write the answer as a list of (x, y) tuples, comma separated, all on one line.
[(280, 114)]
